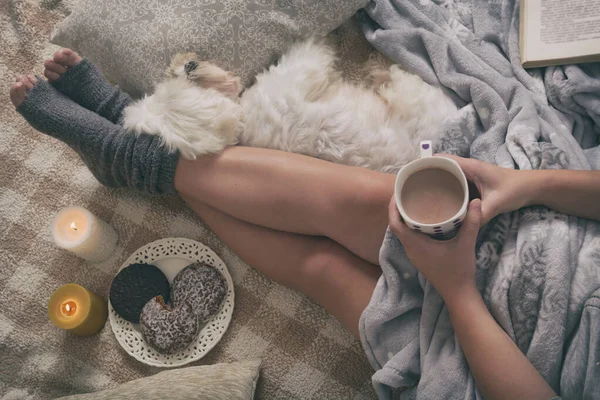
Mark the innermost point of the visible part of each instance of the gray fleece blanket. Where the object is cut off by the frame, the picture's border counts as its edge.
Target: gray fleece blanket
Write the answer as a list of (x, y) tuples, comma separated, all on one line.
[(538, 270)]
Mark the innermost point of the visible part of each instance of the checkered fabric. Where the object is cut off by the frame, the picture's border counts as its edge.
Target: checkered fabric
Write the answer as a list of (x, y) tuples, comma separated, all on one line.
[(306, 353)]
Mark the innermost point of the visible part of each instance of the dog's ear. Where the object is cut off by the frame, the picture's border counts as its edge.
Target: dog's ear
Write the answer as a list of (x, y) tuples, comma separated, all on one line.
[(209, 75)]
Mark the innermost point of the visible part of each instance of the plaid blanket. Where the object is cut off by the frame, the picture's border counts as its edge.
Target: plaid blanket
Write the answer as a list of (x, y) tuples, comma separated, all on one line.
[(306, 353)]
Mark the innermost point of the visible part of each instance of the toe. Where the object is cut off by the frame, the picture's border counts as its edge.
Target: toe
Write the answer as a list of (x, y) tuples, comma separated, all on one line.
[(26, 83), (66, 57), (32, 79), (17, 94), (54, 67), (51, 75)]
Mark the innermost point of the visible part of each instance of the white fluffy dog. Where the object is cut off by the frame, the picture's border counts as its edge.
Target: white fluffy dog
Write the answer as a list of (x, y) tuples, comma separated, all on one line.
[(301, 105)]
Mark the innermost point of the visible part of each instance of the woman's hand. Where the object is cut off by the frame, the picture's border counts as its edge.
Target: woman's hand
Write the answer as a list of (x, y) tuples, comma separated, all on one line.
[(448, 265), (502, 189), (501, 371)]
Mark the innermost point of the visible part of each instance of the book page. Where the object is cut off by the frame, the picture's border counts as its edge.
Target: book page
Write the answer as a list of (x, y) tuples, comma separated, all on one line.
[(562, 28)]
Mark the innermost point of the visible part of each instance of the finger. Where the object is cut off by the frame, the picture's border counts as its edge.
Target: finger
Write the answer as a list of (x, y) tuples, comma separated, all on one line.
[(396, 223), (458, 159), (471, 169), (472, 222), (468, 165), (394, 218)]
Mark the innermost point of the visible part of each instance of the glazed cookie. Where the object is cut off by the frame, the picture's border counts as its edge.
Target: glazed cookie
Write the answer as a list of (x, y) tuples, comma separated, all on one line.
[(203, 287), (168, 330), (133, 286)]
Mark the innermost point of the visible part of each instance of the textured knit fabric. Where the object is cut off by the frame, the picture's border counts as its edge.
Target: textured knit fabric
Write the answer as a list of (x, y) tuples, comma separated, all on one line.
[(537, 270), (84, 84), (115, 157)]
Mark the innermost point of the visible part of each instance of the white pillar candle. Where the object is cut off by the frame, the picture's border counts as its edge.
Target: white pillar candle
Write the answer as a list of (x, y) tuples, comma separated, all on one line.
[(79, 231)]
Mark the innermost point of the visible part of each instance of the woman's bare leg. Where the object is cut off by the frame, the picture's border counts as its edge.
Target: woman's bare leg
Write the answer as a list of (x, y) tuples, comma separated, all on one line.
[(318, 267), (279, 190), (293, 193)]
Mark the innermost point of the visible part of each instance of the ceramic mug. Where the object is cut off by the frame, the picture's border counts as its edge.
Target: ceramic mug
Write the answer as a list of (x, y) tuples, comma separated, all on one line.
[(443, 229)]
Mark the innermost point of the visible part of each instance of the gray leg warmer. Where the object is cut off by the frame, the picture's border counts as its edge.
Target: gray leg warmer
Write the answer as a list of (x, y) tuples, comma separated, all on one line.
[(116, 158), (85, 85)]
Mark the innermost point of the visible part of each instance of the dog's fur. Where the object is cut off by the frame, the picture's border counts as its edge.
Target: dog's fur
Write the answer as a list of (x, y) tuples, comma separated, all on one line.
[(301, 105)]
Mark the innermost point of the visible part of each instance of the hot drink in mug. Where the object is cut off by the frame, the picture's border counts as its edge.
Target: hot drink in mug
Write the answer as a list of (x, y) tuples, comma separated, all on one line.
[(432, 194)]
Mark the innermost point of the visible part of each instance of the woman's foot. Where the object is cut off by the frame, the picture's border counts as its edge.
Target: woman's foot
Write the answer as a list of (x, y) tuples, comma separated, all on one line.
[(62, 60), (116, 158), (78, 79), (23, 85)]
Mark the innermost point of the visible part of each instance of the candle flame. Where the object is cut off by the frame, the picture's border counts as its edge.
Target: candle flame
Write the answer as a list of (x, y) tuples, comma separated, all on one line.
[(68, 308), (73, 226)]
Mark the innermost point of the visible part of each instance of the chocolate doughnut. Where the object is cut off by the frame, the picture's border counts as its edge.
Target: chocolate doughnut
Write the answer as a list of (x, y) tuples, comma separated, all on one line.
[(168, 330), (133, 286), (201, 286)]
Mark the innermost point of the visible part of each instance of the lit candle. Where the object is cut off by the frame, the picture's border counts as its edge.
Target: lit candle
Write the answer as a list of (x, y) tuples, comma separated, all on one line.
[(79, 231), (76, 309)]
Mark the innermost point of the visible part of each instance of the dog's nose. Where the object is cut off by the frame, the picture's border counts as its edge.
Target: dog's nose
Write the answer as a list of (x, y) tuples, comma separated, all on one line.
[(190, 66)]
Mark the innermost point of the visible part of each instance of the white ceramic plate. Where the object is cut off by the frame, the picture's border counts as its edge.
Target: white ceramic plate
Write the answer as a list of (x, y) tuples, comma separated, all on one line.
[(171, 256)]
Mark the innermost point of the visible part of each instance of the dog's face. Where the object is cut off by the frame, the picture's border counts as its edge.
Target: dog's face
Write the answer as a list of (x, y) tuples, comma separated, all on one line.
[(204, 74)]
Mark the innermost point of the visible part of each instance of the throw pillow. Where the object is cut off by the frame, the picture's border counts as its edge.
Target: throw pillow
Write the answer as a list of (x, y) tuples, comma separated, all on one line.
[(235, 381), (132, 41)]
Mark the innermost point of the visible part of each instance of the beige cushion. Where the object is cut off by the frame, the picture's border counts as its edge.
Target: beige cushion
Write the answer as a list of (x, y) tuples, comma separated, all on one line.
[(132, 41), (235, 381)]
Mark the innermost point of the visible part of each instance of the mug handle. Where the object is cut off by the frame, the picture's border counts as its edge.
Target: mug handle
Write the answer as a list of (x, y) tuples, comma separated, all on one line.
[(426, 149)]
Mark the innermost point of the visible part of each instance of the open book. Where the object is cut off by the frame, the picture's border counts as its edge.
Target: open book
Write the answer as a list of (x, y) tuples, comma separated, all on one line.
[(557, 32)]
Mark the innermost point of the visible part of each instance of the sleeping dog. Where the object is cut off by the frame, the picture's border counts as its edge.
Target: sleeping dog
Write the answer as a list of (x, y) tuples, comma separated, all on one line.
[(300, 105)]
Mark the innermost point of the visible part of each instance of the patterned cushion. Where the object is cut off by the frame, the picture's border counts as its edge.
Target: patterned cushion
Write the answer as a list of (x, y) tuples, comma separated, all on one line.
[(235, 381), (132, 41)]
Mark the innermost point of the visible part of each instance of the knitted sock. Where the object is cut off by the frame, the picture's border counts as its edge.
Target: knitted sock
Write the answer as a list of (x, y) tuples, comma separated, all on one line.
[(85, 85), (117, 158)]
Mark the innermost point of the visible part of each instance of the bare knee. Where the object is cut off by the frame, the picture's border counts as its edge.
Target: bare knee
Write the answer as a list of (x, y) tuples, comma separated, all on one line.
[(356, 215), (370, 192), (328, 264), (339, 281), (317, 264), (364, 213)]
